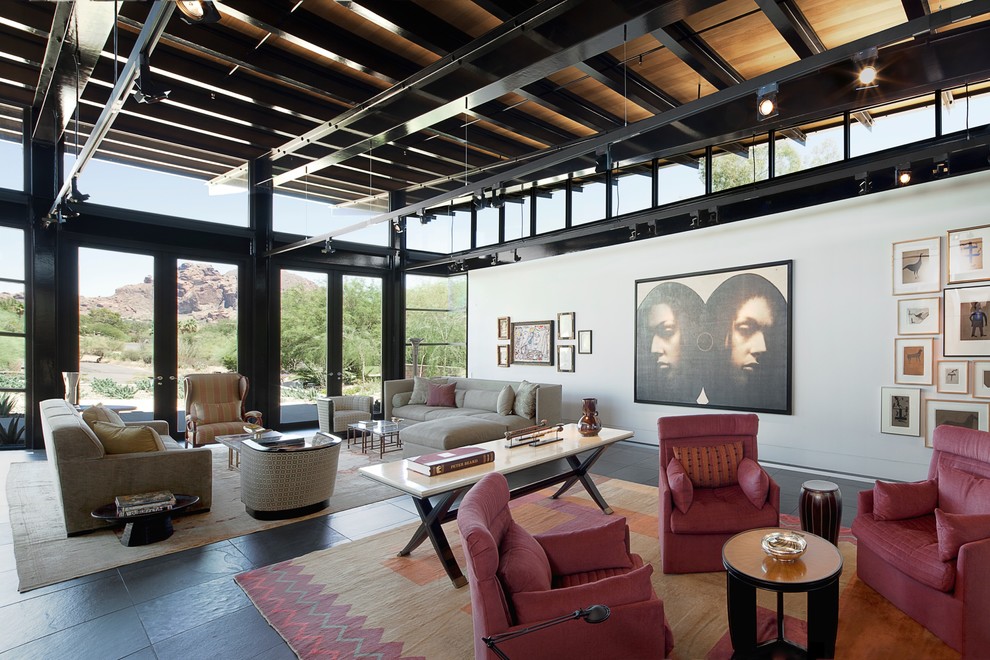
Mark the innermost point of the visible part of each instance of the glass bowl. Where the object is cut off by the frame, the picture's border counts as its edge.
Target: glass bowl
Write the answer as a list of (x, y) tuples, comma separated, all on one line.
[(784, 546)]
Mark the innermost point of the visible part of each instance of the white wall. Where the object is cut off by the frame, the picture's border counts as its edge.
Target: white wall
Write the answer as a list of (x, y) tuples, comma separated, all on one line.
[(844, 319)]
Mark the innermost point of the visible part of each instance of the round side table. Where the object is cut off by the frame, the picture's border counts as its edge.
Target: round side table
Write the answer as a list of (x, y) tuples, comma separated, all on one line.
[(820, 509)]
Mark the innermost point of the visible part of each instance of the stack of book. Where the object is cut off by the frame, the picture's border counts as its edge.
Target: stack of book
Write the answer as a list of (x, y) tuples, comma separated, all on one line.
[(452, 459), (136, 505)]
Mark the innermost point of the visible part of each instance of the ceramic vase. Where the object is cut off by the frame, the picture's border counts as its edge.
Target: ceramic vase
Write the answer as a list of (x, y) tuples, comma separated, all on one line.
[(588, 424), (71, 379)]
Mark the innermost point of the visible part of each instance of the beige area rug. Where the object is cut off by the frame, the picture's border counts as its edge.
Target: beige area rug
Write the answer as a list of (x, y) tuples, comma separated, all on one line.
[(45, 556), (360, 597)]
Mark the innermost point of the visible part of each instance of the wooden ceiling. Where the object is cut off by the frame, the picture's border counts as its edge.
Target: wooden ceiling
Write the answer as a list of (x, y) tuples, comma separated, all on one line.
[(356, 99)]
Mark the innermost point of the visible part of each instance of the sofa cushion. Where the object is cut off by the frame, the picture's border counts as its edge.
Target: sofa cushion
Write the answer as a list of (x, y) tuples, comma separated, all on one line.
[(451, 432), (421, 388), (510, 422), (522, 563), (955, 530), (127, 439), (713, 466), (100, 413), (910, 546), (754, 481), (897, 501), (401, 399), (567, 556), (681, 490), (486, 400), (215, 413), (441, 395), (505, 401), (962, 492), (525, 403), (721, 511), (631, 587)]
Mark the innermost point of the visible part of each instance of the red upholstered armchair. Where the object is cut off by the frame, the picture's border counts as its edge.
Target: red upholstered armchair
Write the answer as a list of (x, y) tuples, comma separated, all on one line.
[(215, 406), (519, 581), (925, 546), (714, 490)]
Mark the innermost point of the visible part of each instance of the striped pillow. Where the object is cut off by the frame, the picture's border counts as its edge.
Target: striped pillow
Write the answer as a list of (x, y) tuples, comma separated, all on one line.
[(714, 466)]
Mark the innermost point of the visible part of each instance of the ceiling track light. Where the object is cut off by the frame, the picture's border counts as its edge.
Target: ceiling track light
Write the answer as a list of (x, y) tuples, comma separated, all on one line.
[(902, 174), (328, 247), (74, 196), (766, 102), (940, 166), (515, 256), (399, 225), (146, 88), (865, 185), (197, 12), (867, 74), (495, 261), (603, 159)]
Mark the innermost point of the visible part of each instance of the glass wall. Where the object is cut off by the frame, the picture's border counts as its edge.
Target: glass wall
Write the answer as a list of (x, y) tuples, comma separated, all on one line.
[(893, 126), (587, 197), (488, 223), (298, 213), (362, 340), (436, 312), (303, 343), (13, 340), (632, 188), (431, 232), (551, 207), (517, 213), (11, 147), (679, 179), (810, 145), (969, 107), (739, 163)]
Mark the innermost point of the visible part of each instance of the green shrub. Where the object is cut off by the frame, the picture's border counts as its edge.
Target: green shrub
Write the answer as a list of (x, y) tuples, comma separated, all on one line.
[(111, 389)]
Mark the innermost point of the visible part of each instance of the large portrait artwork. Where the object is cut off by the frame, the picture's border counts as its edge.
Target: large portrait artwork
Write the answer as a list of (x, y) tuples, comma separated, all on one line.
[(719, 339)]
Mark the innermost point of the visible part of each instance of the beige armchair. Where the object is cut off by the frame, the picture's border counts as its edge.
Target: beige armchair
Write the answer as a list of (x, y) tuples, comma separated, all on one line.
[(336, 412), (215, 406)]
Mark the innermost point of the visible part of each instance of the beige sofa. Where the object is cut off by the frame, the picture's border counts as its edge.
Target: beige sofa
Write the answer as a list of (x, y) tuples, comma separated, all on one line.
[(86, 477), (473, 419)]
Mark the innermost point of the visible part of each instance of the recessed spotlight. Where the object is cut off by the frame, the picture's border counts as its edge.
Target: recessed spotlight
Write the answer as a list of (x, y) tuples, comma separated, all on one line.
[(766, 102)]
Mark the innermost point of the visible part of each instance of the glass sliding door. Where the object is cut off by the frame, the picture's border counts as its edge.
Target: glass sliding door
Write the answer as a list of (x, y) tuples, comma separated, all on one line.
[(303, 343), (362, 336), (13, 339)]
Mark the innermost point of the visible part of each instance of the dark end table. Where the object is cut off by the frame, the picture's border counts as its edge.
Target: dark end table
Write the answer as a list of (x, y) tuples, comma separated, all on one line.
[(145, 528)]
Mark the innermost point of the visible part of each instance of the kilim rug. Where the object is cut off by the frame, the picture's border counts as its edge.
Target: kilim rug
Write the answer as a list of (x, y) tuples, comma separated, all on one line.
[(360, 598), (45, 556)]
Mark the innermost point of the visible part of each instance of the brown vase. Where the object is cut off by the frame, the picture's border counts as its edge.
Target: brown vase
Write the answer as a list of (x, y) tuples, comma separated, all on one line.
[(588, 424)]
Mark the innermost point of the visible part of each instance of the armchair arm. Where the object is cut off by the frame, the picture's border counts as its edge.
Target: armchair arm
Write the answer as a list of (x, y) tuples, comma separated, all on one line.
[(253, 417), (390, 389), (588, 548), (865, 502), (160, 425), (973, 588)]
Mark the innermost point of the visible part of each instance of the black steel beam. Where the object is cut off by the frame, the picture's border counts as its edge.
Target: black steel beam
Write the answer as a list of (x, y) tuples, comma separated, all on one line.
[(915, 8), (691, 49), (792, 25)]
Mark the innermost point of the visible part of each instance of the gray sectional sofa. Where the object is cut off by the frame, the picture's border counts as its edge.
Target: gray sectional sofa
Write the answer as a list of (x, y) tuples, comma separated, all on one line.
[(474, 418)]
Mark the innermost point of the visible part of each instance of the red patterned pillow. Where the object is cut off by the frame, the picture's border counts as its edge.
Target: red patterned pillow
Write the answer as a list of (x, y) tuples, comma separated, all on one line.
[(442, 395), (712, 466)]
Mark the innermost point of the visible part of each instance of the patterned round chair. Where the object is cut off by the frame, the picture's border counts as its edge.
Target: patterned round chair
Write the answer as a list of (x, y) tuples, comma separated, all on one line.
[(286, 482)]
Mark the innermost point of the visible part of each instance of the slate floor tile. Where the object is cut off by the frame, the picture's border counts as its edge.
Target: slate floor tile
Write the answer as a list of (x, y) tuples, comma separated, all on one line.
[(238, 634), (115, 635), (182, 610)]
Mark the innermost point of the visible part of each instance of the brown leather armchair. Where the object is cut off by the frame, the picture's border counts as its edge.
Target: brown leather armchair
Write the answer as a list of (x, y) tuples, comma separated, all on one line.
[(215, 406)]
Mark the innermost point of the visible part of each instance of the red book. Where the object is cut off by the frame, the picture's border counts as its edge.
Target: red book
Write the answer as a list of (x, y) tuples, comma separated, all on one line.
[(447, 461)]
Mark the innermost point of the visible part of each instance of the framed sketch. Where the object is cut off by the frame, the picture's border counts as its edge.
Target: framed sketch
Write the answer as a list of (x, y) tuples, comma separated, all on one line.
[(981, 379), (966, 313), (565, 357), (919, 316), (565, 325), (584, 342), (966, 254), (967, 414), (532, 343), (917, 266), (503, 327), (952, 376), (913, 361), (900, 410), (503, 355), (717, 339)]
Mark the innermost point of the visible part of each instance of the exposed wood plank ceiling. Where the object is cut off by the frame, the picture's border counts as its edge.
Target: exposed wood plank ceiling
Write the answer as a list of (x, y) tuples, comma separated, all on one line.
[(421, 95)]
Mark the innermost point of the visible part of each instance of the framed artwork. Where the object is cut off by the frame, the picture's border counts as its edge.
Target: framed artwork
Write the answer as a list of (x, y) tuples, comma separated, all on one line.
[(503, 327), (966, 258), (717, 339), (952, 376), (900, 410), (565, 325), (913, 361), (919, 316), (967, 414), (966, 322), (981, 379), (532, 343), (584, 341), (917, 266), (565, 357), (503, 355)]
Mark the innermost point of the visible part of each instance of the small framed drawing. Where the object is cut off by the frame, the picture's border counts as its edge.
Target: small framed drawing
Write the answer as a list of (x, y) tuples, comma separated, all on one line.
[(503, 355), (917, 266), (532, 343), (565, 325), (584, 341), (565, 357), (503, 327), (919, 316), (966, 258), (900, 410), (952, 376), (981, 379), (913, 361), (966, 322), (967, 414)]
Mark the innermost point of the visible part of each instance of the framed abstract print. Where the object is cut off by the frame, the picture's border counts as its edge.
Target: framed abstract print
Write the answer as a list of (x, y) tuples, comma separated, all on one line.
[(900, 410), (913, 361), (532, 343), (967, 261), (966, 321), (917, 266), (952, 376), (967, 414), (919, 316)]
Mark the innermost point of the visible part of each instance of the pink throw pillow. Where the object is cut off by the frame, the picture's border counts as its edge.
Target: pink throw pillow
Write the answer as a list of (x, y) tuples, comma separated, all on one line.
[(441, 395), (956, 530), (587, 548), (522, 563), (754, 481), (632, 587), (681, 489), (962, 492), (896, 501)]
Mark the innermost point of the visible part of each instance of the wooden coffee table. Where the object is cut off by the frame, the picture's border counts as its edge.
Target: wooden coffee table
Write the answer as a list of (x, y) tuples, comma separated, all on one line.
[(145, 528), (527, 468), (816, 573)]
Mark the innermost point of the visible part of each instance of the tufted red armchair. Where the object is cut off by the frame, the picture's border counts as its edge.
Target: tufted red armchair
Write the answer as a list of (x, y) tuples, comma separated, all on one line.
[(519, 581), (215, 406)]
